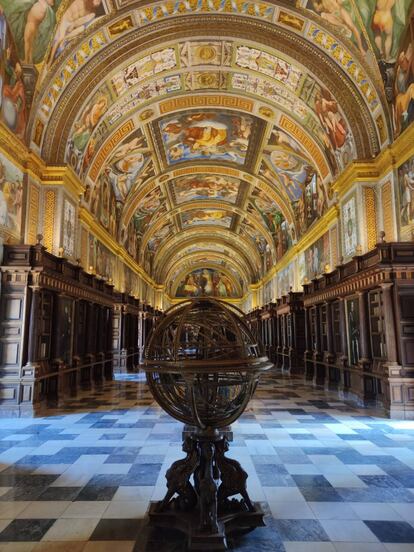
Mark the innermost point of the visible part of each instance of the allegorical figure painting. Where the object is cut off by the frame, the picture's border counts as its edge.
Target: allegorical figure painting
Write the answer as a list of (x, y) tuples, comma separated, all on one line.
[(12, 91), (32, 23), (275, 221), (81, 148), (126, 163), (206, 135), (206, 282), (404, 84), (383, 21), (11, 197), (101, 258), (317, 256), (350, 229), (35, 22), (76, 18), (207, 216), (206, 186), (406, 200)]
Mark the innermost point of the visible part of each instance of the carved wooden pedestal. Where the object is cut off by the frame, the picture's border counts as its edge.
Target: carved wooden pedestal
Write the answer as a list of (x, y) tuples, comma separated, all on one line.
[(199, 497)]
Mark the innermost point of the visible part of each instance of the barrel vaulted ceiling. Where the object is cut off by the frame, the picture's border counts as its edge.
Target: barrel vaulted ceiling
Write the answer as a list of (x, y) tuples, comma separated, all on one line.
[(208, 133)]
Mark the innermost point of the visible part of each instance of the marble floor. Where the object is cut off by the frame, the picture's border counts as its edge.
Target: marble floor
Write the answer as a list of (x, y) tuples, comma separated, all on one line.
[(331, 476)]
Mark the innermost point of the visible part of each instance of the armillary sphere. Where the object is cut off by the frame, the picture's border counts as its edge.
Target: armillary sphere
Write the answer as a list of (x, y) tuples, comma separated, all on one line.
[(203, 365)]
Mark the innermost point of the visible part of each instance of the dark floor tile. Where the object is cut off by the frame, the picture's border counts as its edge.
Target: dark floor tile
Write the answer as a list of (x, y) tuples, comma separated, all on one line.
[(30, 530), (59, 493), (392, 531), (381, 481), (311, 481), (22, 494), (142, 474), (270, 475), (106, 480), (97, 492), (376, 494), (120, 459), (116, 530), (321, 494), (112, 436)]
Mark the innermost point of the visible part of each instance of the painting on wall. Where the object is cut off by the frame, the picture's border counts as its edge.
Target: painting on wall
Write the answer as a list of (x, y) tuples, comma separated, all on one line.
[(317, 256), (35, 22), (32, 23), (406, 200), (383, 21), (76, 18), (125, 165), (286, 280), (344, 17), (206, 282), (103, 204), (12, 91), (206, 186), (68, 228), (206, 135), (404, 83), (293, 172), (150, 208), (101, 259), (80, 148), (163, 233), (268, 292), (353, 332), (209, 217), (11, 197), (350, 228), (273, 217), (302, 272)]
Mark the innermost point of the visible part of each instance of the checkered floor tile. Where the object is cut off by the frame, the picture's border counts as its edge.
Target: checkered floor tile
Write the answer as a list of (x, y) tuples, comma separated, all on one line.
[(331, 476)]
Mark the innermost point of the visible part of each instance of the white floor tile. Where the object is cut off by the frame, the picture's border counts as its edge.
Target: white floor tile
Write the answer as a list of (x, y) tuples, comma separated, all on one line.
[(71, 529), (85, 509), (126, 510)]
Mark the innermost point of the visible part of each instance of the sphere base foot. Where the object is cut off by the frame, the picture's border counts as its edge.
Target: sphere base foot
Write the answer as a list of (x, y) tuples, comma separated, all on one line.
[(229, 523)]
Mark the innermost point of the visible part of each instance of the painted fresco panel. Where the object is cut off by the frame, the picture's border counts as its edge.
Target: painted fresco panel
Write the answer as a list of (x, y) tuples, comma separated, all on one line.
[(68, 229), (206, 282), (212, 217), (206, 135), (101, 259), (406, 200), (350, 226), (11, 198), (40, 17), (382, 21), (317, 256), (286, 280), (12, 91), (125, 164), (404, 83), (206, 186)]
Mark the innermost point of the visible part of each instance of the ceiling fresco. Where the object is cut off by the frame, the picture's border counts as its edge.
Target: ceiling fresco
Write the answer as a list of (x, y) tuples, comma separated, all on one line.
[(207, 133), (205, 136), (206, 186)]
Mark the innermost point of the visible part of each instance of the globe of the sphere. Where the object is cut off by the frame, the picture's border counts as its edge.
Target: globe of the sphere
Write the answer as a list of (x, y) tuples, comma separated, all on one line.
[(203, 363)]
